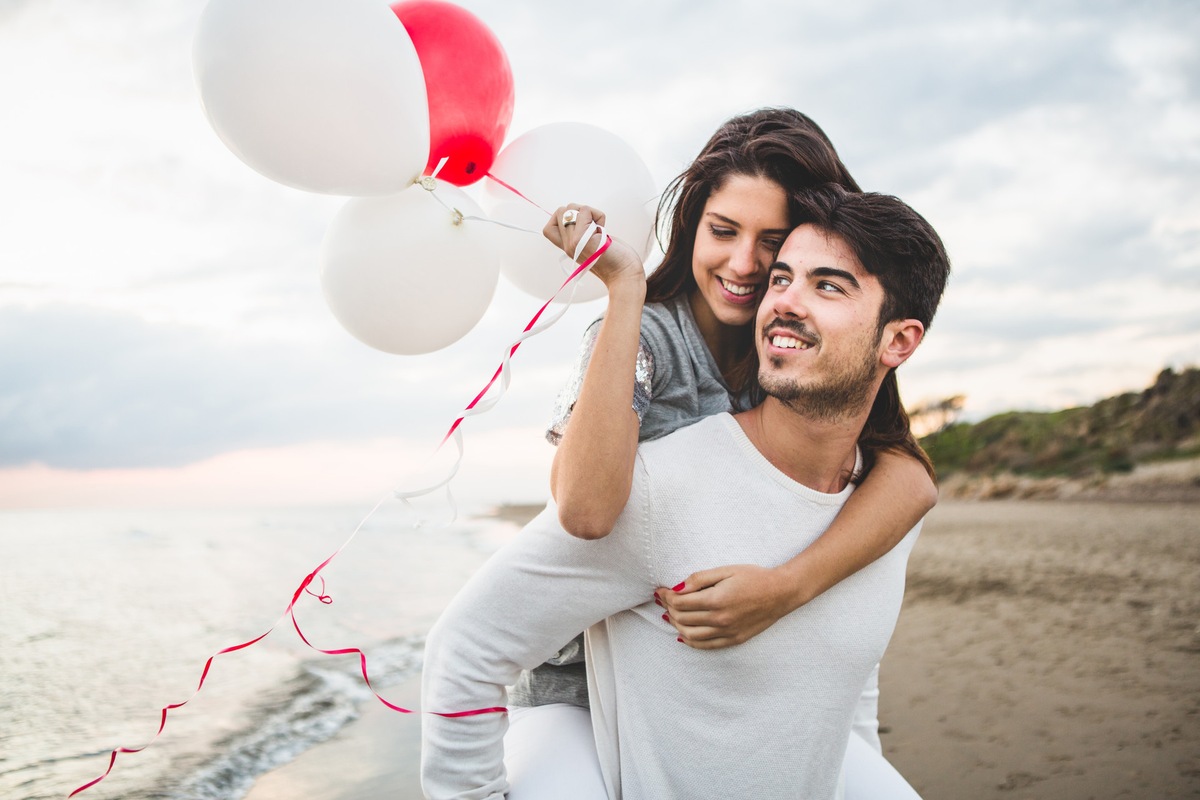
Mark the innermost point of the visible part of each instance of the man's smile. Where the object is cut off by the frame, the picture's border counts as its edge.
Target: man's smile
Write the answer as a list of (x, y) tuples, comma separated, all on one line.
[(787, 342), (787, 335)]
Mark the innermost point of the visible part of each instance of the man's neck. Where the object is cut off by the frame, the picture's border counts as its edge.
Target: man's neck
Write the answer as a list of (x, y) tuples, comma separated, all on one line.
[(819, 453)]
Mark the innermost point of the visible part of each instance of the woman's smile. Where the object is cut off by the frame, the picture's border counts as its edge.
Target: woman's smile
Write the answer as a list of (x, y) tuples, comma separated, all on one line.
[(741, 229)]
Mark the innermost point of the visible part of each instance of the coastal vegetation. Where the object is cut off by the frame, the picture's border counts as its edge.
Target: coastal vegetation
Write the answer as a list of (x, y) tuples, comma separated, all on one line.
[(1113, 437)]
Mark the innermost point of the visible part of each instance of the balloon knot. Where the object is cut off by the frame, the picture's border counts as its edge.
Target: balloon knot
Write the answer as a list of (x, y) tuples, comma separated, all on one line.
[(456, 217), (428, 183)]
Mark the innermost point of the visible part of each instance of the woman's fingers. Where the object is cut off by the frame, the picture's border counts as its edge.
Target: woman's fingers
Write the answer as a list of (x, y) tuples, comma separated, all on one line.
[(683, 606), (724, 606), (709, 644), (551, 229), (567, 226), (707, 638), (575, 230)]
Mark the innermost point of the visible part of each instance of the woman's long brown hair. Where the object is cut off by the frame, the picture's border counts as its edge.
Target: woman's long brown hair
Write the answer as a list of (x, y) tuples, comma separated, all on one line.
[(779, 144)]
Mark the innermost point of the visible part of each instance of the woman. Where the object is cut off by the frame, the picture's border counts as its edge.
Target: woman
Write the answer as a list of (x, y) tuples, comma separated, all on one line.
[(678, 345)]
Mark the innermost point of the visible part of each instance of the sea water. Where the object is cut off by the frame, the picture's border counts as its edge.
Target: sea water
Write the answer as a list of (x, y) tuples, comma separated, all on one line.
[(108, 616)]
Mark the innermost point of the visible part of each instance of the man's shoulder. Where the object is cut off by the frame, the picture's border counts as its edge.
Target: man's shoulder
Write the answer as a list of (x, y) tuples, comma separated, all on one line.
[(695, 439), (674, 465)]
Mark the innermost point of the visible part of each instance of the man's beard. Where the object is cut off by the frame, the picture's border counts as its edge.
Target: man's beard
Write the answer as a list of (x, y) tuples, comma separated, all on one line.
[(843, 390)]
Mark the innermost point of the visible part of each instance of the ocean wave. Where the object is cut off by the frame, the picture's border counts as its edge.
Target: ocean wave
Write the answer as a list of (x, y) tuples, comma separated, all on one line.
[(316, 704)]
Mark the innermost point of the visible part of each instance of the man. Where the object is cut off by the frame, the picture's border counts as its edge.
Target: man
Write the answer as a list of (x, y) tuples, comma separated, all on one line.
[(848, 301)]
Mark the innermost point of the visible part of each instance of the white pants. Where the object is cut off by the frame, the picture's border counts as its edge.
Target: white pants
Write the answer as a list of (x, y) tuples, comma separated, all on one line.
[(866, 713), (550, 753)]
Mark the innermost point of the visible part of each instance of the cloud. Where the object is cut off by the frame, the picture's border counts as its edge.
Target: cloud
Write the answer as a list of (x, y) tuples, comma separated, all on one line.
[(9, 9), (161, 302), (85, 388), (90, 388)]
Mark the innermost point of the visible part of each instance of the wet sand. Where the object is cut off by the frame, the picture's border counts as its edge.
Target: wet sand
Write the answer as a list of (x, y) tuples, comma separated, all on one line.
[(1046, 650)]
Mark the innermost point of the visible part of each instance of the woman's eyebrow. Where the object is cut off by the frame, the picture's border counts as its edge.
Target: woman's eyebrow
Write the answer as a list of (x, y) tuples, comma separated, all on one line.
[(723, 218), (733, 223)]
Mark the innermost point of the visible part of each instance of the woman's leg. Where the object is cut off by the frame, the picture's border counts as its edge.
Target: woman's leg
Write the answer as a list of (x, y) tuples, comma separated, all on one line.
[(550, 754), (866, 774), (870, 776), (866, 713)]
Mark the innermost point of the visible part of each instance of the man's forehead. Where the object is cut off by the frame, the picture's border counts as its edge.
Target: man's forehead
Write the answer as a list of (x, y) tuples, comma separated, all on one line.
[(808, 246)]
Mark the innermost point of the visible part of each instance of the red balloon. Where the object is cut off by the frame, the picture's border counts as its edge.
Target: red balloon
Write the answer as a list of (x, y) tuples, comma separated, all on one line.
[(469, 83)]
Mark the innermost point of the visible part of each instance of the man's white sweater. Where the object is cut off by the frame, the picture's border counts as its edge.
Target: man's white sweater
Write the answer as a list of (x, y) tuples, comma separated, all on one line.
[(765, 719)]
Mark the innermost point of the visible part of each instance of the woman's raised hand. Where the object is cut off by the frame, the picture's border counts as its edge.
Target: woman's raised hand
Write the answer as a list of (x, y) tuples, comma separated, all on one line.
[(567, 227)]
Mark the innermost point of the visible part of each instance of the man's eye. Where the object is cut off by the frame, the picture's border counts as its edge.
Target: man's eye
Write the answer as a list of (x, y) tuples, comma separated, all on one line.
[(828, 286), (779, 279)]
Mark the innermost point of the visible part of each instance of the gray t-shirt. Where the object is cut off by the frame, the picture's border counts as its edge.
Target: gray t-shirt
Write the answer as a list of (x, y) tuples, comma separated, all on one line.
[(677, 383)]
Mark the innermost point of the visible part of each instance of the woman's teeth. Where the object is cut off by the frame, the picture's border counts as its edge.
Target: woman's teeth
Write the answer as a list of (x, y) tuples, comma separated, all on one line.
[(738, 289)]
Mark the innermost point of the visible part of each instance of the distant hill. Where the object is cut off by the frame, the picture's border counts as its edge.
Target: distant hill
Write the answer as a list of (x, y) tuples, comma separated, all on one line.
[(1114, 436)]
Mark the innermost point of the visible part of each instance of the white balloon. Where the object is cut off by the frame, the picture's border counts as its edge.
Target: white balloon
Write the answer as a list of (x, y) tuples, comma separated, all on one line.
[(556, 164), (407, 275), (322, 95)]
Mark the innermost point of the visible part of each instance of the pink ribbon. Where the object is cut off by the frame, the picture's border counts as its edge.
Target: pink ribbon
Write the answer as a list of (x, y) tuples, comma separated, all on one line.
[(303, 588)]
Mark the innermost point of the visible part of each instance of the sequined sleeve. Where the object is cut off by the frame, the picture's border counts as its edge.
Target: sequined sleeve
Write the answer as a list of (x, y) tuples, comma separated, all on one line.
[(643, 372)]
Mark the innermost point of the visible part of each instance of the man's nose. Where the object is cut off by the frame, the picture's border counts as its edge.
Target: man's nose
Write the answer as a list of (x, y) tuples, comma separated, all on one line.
[(788, 303)]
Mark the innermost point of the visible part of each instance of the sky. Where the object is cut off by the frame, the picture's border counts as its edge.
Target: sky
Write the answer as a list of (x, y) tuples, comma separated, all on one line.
[(164, 339)]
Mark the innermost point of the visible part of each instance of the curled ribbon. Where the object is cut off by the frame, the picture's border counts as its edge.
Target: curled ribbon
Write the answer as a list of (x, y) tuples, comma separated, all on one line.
[(478, 405)]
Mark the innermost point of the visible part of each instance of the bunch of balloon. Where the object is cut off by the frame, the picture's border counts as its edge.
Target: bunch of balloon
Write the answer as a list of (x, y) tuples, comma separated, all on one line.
[(392, 269), (469, 84), (321, 95), (559, 163), (414, 273), (355, 98)]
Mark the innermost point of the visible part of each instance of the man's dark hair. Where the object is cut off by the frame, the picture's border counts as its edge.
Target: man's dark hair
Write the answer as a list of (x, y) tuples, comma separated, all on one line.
[(903, 251), (891, 241)]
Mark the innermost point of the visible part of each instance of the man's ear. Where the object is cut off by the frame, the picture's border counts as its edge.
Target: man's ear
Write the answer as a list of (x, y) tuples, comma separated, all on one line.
[(900, 340)]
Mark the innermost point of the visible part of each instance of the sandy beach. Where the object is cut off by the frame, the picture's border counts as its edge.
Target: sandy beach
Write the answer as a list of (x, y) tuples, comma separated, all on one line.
[(1047, 649)]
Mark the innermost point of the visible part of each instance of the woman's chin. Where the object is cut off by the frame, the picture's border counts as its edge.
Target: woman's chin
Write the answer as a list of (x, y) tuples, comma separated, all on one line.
[(735, 316)]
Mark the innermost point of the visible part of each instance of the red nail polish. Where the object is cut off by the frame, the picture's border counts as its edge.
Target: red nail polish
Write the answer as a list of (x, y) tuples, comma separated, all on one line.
[(679, 638), (666, 618), (658, 602), (677, 588)]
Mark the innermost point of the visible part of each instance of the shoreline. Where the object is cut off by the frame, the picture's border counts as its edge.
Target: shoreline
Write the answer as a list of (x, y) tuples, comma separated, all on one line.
[(377, 755), (1046, 650)]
